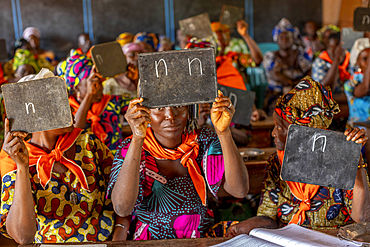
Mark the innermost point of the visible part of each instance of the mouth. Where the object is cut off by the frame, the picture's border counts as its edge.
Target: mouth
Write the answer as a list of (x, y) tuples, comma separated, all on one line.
[(172, 127)]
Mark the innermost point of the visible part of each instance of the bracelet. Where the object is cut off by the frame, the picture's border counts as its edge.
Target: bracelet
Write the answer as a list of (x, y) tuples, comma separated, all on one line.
[(120, 225), (363, 165)]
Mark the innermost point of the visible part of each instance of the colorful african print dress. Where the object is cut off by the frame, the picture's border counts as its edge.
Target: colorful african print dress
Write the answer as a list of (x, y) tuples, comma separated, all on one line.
[(59, 218), (110, 120), (171, 208), (330, 207), (359, 108)]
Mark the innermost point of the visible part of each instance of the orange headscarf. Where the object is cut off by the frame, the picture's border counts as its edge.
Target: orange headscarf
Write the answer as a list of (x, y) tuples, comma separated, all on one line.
[(343, 73), (94, 115), (228, 75), (187, 152), (45, 161)]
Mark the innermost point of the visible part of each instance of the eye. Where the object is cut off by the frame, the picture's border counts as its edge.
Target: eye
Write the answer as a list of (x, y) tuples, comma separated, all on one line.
[(159, 108), (179, 106)]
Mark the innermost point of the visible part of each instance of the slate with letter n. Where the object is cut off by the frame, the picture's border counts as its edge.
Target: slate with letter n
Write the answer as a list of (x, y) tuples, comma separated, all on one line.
[(197, 26), (176, 78), (321, 157), (243, 102), (361, 19), (109, 59), (231, 14), (37, 105)]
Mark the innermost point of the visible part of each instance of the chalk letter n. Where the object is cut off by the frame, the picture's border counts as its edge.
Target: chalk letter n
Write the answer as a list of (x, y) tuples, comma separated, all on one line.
[(315, 138), (27, 105), (200, 65), (156, 66), (365, 20)]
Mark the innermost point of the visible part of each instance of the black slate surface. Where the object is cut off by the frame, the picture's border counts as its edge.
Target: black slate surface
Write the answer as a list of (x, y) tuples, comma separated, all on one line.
[(320, 157), (177, 77), (231, 14), (243, 102), (50, 109), (361, 19), (109, 59), (197, 26)]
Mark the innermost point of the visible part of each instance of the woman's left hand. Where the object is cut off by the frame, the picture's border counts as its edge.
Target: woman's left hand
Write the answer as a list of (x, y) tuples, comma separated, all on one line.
[(356, 135), (222, 112)]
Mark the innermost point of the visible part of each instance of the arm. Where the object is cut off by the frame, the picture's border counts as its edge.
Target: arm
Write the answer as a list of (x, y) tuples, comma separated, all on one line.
[(361, 195), (121, 229), (125, 190), (256, 53), (248, 225), (236, 174), (362, 89), (329, 79), (21, 220)]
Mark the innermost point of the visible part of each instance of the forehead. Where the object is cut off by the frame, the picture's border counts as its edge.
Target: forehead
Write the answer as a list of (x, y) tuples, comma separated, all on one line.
[(364, 53)]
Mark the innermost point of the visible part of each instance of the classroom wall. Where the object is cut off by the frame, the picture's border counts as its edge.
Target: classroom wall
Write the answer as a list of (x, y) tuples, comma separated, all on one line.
[(60, 22)]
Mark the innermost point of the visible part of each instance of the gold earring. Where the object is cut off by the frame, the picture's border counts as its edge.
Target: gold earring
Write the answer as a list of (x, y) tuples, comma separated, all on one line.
[(78, 96)]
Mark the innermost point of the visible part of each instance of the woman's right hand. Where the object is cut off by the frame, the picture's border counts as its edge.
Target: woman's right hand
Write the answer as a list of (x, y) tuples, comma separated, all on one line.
[(93, 82), (138, 118), (14, 146)]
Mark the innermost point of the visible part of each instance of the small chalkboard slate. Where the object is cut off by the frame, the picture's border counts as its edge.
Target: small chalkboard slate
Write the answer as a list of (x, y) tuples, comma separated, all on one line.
[(230, 15), (243, 102), (361, 19), (37, 105), (109, 59), (197, 26), (321, 157), (349, 37), (173, 78), (3, 52)]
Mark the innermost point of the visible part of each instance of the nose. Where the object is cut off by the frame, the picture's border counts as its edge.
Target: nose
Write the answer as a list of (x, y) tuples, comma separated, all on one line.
[(273, 133), (170, 113)]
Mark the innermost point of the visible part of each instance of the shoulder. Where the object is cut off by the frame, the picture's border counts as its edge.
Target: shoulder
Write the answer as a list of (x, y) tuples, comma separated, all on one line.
[(273, 164)]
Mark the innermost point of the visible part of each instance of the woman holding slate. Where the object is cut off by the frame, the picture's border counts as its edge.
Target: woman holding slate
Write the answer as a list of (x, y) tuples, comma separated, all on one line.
[(162, 174), (284, 202)]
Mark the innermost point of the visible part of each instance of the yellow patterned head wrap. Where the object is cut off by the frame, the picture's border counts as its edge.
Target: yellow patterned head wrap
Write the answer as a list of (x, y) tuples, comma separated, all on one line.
[(124, 38), (22, 57), (308, 104)]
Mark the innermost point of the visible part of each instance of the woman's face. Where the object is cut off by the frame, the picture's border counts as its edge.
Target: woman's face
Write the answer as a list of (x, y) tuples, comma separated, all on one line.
[(24, 70), (280, 131), (285, 40), (34, 42), (82, 88), (131, 57), (362, 59), (169, 122)]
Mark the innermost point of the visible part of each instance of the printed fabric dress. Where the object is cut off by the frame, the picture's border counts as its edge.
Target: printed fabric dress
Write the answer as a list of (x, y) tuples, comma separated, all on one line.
[(171, 208), (59, 218), (330, 207), (359, 108)]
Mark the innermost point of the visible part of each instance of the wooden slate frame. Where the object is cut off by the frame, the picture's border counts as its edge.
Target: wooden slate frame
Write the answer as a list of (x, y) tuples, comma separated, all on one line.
[(109, 59), (231, 14), (37, 105), (174, 78), (197, 26), (361, 19), (321, 157)]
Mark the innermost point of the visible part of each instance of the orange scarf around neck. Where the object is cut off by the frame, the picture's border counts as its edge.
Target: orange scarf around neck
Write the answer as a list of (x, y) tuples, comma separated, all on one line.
[(45, 161), (187, 152), (94, 115), (343, 73), (303, 192)]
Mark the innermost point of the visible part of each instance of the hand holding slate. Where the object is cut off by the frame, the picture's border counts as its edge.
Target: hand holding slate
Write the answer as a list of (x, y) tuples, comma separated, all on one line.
[(356, 135), (242, 27), (221, 114), (14, 145), (138, 118), (93, 81)]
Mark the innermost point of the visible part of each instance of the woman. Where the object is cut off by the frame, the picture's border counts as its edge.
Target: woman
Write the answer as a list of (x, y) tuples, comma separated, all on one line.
[(285, 67), (148, 40), (94, 111), (53, 187), (158, 172), (308, 205)]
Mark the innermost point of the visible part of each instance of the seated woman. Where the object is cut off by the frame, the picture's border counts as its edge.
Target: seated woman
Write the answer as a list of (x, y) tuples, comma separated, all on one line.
[(312, 206), (164, 174), (285, 67), (94, 111), (357, 90), (54, 186)]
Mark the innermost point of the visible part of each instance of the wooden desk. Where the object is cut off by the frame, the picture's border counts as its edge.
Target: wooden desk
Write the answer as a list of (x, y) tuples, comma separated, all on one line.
[(261, 133), (257, 170)]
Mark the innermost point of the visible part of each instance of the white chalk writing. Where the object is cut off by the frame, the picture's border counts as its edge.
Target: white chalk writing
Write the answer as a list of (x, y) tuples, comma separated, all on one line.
[(315, 138), (99, 59), (192, 27), (366, 20), (233, 95), (27, 105), (226, 14), (200, 65), (156, 66)]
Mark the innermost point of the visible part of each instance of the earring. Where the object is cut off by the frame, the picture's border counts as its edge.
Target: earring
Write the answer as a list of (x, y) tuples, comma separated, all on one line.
[(359, 70), (78, 96)]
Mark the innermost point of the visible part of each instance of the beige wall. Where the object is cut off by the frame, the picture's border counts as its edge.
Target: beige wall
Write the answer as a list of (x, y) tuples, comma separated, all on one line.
[(340, 12)]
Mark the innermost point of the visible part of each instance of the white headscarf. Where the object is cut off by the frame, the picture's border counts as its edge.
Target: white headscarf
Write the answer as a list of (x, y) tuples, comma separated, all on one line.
[(31, 31), (359, 45)]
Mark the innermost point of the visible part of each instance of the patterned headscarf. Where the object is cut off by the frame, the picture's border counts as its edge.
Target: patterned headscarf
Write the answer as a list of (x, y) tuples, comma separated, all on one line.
[(22, 57), (218, 27), (124, 38), (31, 31), (76, 68), (201, 43), (308, 104), (163, 40), (332, 28), (149, 38), (359, 45), (132, 47), (284, 25)]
